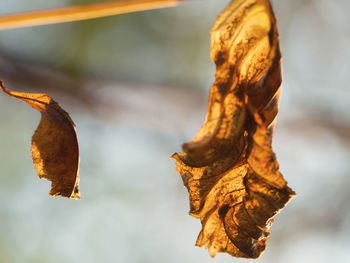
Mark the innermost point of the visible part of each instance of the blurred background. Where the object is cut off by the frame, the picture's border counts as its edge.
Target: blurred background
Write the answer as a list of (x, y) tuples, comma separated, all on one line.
[(136, 86)]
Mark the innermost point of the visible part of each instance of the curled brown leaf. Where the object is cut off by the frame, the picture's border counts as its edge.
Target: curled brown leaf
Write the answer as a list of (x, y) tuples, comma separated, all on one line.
[(229, 169), (54, 148)]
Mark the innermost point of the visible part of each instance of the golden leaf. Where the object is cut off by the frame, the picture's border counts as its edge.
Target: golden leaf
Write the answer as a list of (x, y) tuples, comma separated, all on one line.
[(55, 149), (229, 169)]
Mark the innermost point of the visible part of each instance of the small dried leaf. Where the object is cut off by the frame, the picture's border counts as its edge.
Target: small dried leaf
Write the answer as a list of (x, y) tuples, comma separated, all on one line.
[(230, 171), (55, 149)]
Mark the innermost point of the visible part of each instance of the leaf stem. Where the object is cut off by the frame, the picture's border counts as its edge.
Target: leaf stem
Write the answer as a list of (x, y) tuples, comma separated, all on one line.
[(80, 12)]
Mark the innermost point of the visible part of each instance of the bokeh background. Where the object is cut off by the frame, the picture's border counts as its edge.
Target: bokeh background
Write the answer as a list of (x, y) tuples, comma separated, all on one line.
[(136, 86)]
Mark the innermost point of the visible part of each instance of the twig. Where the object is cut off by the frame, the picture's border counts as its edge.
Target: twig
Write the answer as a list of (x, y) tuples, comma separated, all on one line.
[(80, 12)]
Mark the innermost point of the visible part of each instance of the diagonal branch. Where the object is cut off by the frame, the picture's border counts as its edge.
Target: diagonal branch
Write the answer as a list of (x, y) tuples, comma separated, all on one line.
[(80, 12)]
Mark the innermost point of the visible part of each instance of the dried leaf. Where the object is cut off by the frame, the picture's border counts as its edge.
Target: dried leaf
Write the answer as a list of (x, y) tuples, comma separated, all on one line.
[(229, 169), (54, 149)]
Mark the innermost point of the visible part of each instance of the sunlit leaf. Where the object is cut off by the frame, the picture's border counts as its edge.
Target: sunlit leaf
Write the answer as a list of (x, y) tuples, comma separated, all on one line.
[(229, 169), (54, 149)]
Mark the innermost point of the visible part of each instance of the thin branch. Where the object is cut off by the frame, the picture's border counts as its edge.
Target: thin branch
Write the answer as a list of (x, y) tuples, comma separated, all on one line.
[(80, 12)]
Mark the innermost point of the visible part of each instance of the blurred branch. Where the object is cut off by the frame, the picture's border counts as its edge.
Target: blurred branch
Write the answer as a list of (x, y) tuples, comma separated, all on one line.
[(314, 119), (28, 76), (81, 12)]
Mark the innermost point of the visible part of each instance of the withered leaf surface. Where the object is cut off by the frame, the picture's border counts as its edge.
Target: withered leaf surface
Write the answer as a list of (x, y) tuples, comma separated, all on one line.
[(54, 149), (230, 171)]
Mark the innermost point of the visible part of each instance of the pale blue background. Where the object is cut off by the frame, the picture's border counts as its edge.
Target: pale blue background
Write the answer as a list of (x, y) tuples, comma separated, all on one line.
[(141, 84)]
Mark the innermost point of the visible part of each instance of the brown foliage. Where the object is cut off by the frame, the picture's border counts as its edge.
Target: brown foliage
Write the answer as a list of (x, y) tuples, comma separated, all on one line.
[(54, 149), (232, 175), (230, 170)]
